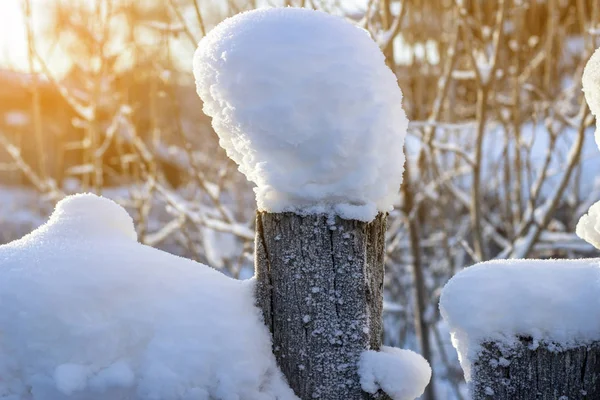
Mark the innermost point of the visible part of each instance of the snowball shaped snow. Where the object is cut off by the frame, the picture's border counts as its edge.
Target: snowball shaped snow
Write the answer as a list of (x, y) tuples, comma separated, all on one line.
[(88, 313), (591, 88), (401, 374), (588, 227), (555, 301), (305, 104)]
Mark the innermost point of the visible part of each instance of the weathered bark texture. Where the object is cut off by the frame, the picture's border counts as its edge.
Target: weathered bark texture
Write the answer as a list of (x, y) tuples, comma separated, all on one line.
[(320, 286), (543, 372)]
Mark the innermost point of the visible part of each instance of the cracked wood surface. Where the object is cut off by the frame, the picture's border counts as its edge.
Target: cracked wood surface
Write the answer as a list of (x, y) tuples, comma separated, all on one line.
[(540, 372), (320, 287)]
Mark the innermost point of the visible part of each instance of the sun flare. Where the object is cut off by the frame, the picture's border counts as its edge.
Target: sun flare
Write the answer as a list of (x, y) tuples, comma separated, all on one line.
[(13, 42)]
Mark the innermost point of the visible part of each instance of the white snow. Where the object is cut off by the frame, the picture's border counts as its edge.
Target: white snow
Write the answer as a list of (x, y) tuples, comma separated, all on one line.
[(402, 374), (588, 227), (555, 301), (305, 104), (70, 378), (591, 88), (88, 313)]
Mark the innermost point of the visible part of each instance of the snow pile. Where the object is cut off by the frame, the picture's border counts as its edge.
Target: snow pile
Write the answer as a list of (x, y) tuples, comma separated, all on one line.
[(588, 227), (305, 104), (591, 88), (401, 374), (88, 313), (548, 300)]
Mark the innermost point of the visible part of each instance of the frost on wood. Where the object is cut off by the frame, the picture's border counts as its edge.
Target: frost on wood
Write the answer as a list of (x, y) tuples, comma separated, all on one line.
[(305, 104), (591, 88), (88, 313), (588, 227), (401, 374), (536, 370), (320, 287), (525, 323)]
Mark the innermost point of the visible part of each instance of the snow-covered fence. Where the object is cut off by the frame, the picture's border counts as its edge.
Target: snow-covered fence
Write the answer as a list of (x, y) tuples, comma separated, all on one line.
[(527, 329), (530, 329), (304, 103), (88, 313)]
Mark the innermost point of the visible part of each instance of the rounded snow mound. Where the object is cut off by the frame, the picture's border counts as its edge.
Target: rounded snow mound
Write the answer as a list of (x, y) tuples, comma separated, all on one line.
[(591, 88), (92, 214), (304, 103), (588, 227), (86, 313)]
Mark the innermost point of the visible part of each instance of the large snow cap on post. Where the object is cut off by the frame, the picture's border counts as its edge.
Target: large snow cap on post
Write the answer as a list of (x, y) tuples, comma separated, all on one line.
[(591, 88), (87, 313), (305, 104), (551, 301)]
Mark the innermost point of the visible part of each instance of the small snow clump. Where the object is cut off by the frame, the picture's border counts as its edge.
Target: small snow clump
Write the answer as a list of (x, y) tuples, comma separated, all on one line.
[(401, 374)]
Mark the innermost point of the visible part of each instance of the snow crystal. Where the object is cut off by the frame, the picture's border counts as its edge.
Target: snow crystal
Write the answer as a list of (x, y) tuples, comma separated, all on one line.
[(305, 104), (555, 301), (588, 227), (88, 313), (591, 88), (401, 374)]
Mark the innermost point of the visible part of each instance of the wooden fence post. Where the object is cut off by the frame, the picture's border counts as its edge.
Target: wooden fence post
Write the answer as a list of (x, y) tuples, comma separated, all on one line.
[(286, 89), (527, 329), (319, 285), (536, 372)]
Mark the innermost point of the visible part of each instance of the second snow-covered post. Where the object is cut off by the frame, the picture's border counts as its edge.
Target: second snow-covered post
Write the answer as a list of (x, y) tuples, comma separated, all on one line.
[(304, 103), (530, 329), (527, 329)]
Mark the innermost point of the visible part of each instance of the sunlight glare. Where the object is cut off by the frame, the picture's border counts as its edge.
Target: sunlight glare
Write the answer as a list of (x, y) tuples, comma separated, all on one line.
[(13, 42)]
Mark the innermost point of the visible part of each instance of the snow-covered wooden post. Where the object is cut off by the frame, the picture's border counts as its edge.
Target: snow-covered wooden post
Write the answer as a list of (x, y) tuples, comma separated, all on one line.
[(527, 329), (304, 103), (320, 283), (530, 329)]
